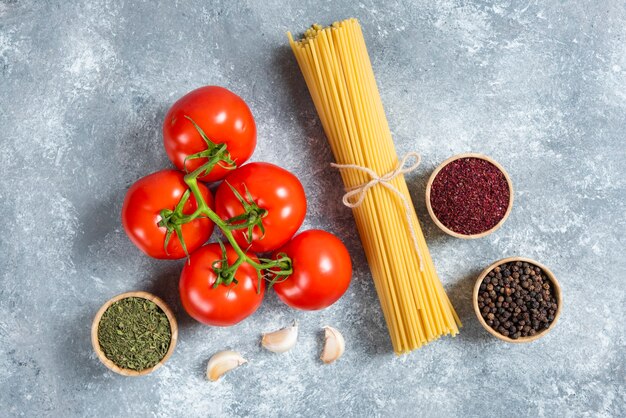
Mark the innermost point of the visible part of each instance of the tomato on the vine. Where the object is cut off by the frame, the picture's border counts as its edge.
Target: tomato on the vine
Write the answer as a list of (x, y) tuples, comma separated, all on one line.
[(322, 270), (141, 214), (225, 119), (278, 200), (224, 304)]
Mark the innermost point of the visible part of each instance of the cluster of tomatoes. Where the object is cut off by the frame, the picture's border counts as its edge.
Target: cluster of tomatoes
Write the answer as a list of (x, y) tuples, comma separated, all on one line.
[(208, 135)]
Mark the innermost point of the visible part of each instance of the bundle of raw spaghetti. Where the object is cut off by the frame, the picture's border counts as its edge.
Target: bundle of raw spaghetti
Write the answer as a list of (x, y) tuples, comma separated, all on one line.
[(338, 73)]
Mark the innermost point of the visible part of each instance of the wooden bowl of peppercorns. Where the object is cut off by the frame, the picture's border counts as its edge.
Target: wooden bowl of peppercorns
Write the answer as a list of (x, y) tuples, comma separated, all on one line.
[(517, 300)]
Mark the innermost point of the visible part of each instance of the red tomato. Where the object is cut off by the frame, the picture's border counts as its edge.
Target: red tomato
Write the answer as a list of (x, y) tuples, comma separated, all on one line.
[(141, 214), (223, 305), (272, 188), (321, 270), (225, 119)]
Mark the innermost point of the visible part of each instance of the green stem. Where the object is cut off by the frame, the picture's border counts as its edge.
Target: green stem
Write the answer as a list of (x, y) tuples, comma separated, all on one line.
[(203, 209), (173, 220)]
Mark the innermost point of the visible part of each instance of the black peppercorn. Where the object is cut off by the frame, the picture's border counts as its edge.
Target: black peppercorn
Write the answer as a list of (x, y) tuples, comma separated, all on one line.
[(517, 300)]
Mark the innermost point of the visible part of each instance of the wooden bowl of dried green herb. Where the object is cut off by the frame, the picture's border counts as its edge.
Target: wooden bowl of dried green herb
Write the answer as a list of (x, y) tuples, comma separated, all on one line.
[(134, 333)]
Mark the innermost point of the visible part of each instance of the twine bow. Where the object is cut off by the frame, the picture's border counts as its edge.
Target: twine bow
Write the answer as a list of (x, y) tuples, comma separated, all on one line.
[(360, 191)]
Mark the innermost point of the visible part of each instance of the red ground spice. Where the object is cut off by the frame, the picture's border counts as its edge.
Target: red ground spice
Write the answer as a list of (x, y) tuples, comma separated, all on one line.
[(470, 196)]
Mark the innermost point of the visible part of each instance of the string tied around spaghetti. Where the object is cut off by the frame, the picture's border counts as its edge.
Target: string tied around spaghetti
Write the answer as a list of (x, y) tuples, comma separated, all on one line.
[(359, 192)]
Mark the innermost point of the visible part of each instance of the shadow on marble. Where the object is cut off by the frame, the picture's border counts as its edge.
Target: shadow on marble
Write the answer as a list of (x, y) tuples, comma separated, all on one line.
[(142, 142), (317, 151), (417, 189), (460, 294), (99, 218), (85, 363), (165, 286)]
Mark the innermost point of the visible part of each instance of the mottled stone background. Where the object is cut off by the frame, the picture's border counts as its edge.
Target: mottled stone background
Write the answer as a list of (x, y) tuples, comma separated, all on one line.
[(540, 86)]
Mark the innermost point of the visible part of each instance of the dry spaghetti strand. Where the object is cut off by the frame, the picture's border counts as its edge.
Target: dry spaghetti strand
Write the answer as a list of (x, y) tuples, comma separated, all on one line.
[(338, 73)]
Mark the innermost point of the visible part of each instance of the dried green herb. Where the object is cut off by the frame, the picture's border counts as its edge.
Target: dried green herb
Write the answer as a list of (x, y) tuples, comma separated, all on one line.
[(134, 333)]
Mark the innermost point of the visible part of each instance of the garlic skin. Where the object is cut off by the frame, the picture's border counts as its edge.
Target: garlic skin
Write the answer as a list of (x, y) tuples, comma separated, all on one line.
[(282, 340), (334, 345), (223, 362)]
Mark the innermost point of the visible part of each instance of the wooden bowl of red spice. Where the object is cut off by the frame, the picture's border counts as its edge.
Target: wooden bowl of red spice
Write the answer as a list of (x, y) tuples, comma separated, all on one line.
[(134, 333), (469, 196), (517, 299)]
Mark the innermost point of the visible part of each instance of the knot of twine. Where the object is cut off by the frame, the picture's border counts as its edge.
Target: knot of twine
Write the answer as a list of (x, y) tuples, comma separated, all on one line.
[(360, 191)]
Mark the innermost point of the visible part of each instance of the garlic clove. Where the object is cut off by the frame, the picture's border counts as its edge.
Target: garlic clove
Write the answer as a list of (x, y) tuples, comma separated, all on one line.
[(282, 340), (334, 345), (223, 362)]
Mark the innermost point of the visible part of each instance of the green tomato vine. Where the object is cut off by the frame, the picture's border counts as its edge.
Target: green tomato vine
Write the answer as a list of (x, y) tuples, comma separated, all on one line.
[(172, 220)]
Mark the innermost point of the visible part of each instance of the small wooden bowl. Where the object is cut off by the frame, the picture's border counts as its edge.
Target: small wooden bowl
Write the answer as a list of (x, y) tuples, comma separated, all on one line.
[(432, 179), (114, 367), (557, 293)]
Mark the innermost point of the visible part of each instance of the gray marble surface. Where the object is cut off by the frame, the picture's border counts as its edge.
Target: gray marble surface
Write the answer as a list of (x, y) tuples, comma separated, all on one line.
[(539, 86)]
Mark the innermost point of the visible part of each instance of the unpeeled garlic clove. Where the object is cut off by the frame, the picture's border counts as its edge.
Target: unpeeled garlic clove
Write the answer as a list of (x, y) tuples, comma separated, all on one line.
[(223, 362), (334, 345), (281, 340)]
